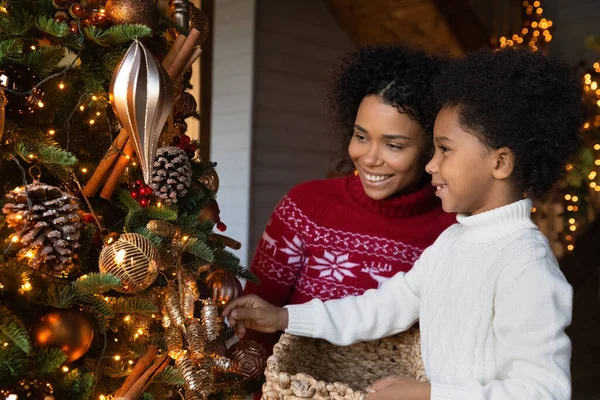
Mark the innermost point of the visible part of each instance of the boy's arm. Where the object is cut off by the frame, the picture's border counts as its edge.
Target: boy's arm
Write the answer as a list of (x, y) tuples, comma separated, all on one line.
[(377, 313), (532, 308)]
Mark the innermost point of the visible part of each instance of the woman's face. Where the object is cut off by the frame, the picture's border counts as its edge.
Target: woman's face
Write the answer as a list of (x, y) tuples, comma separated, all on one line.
[(388, 149)]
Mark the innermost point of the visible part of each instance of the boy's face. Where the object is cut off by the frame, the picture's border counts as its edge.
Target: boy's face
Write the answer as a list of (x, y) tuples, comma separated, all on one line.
[(462, 167)]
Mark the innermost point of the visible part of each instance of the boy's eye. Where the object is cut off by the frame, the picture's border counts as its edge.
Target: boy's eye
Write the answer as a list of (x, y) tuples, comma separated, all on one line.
[(443, 149)]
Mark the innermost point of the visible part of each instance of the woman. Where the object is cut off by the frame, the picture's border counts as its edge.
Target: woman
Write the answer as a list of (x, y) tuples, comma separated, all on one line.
[(334, 238)]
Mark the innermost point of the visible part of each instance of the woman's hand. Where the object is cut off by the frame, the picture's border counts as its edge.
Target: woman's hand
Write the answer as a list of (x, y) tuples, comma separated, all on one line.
[(252, 312), (399, 388)]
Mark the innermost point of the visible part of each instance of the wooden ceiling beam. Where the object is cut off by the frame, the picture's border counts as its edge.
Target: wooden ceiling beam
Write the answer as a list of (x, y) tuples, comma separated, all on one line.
[(465, 24)]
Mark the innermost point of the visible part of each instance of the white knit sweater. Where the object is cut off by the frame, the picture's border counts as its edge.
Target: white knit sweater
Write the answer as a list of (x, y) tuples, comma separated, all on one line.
[(492, 305)]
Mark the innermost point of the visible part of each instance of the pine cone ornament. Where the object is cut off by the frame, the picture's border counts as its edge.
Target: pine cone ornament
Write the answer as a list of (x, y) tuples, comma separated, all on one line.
[(49, 231), (172, 174)]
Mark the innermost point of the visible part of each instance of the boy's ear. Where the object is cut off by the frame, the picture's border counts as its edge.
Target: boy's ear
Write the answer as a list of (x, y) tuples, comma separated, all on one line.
[(505, 163)]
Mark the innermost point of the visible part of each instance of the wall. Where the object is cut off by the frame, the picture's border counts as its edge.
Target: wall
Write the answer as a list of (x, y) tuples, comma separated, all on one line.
[(573, 22), (231, 116), (297, 42)]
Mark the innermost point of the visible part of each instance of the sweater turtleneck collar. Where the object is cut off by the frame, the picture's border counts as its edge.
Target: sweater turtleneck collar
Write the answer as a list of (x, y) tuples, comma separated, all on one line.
[(497, 223), (399, 205)]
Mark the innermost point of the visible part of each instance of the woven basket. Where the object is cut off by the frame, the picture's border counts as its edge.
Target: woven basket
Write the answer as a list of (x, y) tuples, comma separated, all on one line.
[(304, 368)]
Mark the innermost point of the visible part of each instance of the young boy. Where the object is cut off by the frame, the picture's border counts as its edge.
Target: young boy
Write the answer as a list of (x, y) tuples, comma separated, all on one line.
[(490, 297)]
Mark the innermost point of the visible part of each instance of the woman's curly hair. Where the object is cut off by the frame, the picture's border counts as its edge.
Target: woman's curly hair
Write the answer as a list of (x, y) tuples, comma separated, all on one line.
[(524, 100), (401, 76)]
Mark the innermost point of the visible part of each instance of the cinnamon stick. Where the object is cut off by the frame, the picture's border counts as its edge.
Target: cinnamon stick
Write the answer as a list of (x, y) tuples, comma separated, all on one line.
[(227, 241), (185, 53), (117, 173), (138, 370), (195, 55), (137, 389), (105, 165), (173, 51), (160, 369)]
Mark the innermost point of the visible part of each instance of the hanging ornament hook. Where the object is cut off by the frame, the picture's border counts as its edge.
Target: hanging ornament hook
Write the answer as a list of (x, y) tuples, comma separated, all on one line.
[(35, 172)]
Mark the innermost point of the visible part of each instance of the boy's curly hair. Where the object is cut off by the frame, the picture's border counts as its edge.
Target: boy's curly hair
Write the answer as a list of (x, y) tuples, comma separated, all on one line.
[(401, 76), (527, 101)]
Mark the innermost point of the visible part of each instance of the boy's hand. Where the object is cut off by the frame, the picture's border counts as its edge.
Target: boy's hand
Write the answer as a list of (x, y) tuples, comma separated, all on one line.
[(252, 312), (398, 388)]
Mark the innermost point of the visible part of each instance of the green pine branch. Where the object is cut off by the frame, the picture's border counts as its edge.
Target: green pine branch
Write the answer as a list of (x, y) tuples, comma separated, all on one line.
[(51, 156), (61, 296), (117, 34), (132, 305), (75, 385), (51, 27), (156, 240), (229, 261), (16, 22), (170, 376), (86, 241), (11, 362), (147, 396), (45, 59), (10, 49), (14, 329), (162, 213), (45, 361), (96, 304), (188, 222), (200, 250), (126, 202), (95, 283), (54, 155)]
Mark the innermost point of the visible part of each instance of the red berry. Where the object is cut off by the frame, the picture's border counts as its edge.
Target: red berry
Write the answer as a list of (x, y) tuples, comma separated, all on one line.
[(143, 191), (88, 217), (134, 194), (76, 10), (139, 182), (185, 139), (73, 27), (221, 226), (144, 202)]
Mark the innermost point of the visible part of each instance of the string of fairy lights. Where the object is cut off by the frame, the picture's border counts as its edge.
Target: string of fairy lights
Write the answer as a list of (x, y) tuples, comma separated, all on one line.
[(536, 33), (536, 29)]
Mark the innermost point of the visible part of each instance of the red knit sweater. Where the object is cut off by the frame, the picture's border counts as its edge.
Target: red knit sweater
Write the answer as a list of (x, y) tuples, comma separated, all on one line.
[(327, 239)]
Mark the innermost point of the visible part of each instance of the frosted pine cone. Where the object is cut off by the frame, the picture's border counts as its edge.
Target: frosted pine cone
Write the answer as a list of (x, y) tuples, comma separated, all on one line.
[(49, 232), (171, 175)]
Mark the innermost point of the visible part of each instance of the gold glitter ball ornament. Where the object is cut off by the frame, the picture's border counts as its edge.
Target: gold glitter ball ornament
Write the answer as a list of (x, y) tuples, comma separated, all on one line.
[(143, 12), (132, 258)]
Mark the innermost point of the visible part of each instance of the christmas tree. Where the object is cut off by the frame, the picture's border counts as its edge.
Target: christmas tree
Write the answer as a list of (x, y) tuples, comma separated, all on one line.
[(575, 202), (111, 274)]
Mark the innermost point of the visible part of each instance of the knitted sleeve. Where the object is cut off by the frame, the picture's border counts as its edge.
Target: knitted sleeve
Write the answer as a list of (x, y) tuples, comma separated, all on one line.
[(378, 313), (277, 262), (532, 306)]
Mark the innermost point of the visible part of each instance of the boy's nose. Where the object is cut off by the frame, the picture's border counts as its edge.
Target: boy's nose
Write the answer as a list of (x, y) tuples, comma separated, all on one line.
[(431, 167)]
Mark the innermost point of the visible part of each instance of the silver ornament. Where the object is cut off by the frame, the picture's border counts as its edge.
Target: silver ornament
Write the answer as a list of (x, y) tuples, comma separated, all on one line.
[(141, 94)]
